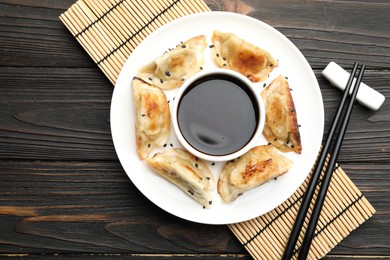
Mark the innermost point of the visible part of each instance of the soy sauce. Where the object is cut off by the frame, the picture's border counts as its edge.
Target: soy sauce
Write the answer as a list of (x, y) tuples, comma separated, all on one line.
[(218, 114)]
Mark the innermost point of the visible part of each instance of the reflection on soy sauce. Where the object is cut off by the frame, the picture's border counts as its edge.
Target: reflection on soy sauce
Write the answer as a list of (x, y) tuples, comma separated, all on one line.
[(218, 114)]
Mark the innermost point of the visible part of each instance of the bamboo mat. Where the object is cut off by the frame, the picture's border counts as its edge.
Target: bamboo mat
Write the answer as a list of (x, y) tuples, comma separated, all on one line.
[(109, 30)]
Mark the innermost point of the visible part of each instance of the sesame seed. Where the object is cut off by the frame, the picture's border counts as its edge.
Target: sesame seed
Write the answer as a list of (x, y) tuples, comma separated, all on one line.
[(210, 202), (211, 46), (149, 145), (161, 81), (196, 165), (183, 79), (208, 178), (264, 85), (224, 64), (201, 68), (143, 115), (150, 79), (167, 73), (217, 55), (171, 145), (183, 46), (165, 145)]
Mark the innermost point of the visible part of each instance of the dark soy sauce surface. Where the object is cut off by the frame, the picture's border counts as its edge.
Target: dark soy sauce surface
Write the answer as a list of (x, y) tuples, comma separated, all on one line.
[(218, 115)]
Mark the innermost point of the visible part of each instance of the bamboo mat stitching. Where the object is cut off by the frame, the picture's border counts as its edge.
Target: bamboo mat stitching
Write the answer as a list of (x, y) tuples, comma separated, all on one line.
[(138, 31), (99, 18)]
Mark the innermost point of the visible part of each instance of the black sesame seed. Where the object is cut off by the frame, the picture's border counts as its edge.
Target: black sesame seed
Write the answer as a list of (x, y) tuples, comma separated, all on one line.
[(161, 81), (287, 141), (210, 202), (217, 55), (143, 115), (183, 79), (173, 98), (208, 178), (211, 46), (224, 58), (271, 65), (167, 73), (224, 64), (165, 145), (196, 165), (149, 145), (269, 144), (291, 89), (264, 85), (204, 207), (299, 125), (201, 68), (286, 77), (275, 179), (213, 163), (232, 161), (275, 139), (150, 79), (183, 46), (171, 145), (292, 146), (169, 101)]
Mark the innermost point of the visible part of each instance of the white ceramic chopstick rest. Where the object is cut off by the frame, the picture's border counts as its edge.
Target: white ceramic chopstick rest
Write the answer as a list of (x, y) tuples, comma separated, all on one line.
[(366, 96)]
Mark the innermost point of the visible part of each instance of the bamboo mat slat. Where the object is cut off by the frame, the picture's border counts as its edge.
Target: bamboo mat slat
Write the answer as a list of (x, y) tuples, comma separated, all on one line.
[(109, 30)]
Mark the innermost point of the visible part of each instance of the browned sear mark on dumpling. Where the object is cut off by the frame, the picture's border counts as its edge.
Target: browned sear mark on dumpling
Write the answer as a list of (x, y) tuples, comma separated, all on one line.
[(281, 128), (231, 52)]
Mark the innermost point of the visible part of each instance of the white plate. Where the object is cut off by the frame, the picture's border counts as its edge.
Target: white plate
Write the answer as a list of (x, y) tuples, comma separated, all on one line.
[(305, 91)]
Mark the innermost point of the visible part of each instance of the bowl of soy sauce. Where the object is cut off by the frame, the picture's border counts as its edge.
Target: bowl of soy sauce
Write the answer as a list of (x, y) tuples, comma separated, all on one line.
[(218, 114)]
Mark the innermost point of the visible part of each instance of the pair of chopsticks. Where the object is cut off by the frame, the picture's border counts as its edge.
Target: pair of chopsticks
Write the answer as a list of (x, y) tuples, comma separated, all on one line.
[(337, 120)]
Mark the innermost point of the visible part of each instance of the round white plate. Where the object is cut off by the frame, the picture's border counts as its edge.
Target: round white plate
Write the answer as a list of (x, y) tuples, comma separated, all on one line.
[(305, 91)]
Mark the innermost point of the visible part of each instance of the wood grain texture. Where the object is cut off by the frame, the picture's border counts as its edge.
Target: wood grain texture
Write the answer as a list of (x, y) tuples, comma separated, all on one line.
[(64, 194)]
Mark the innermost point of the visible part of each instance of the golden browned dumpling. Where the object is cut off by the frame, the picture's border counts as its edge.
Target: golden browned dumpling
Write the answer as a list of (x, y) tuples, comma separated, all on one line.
[(152, 117), (232, 52), (281, 127), (256, 167), (172, 68), (186, 172)]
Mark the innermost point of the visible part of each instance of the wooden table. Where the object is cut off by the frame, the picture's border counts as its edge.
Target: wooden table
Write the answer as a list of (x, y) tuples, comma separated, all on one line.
[(63, 192)]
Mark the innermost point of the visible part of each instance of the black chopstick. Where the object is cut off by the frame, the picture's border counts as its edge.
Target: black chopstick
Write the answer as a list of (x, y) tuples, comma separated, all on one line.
[(289, 250)]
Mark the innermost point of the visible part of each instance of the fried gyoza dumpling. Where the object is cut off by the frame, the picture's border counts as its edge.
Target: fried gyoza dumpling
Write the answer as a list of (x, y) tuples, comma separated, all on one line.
[(232, 52), (281, 127), (152, 117), (186, 172), (172, 68), (256, 167)]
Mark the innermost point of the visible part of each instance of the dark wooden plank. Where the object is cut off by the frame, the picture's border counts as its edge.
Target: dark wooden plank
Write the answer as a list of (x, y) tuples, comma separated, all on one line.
[(32, 35), (94, 207), (43, 118)]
